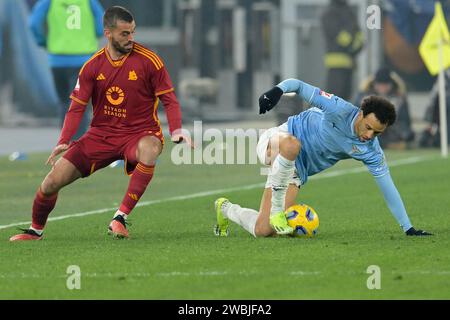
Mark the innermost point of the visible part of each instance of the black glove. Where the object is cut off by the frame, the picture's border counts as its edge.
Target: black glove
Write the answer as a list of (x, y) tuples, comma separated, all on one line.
[(413, 232), (269, 99)]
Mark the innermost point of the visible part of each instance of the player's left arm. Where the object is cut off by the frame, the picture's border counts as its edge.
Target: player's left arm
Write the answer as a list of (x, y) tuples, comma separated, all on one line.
[(173, 114), (396, 206), (376, 163), (165, 92)]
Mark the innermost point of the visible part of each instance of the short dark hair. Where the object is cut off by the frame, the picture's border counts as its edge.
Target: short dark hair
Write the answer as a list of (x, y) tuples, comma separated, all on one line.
[(383, 109), (115, 13)]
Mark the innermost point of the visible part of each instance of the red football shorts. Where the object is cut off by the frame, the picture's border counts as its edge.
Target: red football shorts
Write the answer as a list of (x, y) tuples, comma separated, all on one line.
[(94, 150)]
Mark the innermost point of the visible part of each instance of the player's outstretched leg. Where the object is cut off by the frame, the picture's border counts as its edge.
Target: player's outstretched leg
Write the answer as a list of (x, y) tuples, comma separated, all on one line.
[(226, 210), (43, 204), (63, 173), (256, 223)]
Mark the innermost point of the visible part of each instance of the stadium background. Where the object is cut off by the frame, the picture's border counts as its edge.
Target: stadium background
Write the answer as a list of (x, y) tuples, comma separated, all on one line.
[(222, 54), (242, 47)]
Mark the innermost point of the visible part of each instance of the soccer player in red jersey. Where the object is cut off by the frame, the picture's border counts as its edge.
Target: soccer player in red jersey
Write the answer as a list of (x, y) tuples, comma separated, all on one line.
[(125, 80)]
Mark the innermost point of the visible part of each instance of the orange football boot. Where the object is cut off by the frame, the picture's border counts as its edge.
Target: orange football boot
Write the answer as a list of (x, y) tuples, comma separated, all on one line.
[(118, 227), (27, 234)]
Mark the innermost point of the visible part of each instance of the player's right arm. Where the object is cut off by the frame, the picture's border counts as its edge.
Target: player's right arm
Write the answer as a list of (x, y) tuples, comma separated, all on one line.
[(313, 95), (71, 123), (80, 97)]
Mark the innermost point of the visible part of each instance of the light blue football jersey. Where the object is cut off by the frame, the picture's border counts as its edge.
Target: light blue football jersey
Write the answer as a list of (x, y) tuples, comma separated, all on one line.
[(326, 132)]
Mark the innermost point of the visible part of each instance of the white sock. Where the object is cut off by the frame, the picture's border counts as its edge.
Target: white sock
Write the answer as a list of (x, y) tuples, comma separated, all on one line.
[(39, 232), (118, 212), (244, 217), (281, 171)]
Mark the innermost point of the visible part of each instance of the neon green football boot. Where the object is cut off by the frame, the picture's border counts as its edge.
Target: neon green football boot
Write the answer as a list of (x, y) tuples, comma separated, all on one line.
[(279, 223), (221, 229)]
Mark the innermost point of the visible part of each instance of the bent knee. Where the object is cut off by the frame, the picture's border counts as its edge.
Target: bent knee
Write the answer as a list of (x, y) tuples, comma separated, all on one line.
[(290, 142), (290, 146), (285, 144), (148, 150), (50, 185)]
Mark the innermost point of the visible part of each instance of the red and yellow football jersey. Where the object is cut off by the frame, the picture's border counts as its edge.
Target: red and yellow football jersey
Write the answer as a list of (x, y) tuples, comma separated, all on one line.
[(124, 92)]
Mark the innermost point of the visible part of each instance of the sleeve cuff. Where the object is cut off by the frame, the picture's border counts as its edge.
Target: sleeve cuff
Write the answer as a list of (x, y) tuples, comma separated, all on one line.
[(159, 93), (78, 100)]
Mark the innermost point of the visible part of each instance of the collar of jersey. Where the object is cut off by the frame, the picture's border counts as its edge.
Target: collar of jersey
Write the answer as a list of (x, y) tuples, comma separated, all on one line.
[(353, 129), (117, 63), (352, 125)]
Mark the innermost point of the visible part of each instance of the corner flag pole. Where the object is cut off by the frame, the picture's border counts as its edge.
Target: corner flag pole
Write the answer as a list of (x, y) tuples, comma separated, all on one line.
[(442, 102)]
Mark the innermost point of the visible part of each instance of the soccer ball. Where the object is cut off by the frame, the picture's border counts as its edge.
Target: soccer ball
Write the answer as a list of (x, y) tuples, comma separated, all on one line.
[(303, 219)]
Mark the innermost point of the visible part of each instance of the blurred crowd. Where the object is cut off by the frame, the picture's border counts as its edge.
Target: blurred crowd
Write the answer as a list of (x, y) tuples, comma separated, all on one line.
[(401, 69), (344, 41)]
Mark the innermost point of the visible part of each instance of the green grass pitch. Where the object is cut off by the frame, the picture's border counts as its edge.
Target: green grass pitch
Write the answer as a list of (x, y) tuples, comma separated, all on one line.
[(173, 254)]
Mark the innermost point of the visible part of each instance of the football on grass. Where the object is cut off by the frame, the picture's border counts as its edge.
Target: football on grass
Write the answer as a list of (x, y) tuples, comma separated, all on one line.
[(303, 219)]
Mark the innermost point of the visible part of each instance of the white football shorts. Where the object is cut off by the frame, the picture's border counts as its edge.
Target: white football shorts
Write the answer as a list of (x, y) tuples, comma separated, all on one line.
[(261, 151)]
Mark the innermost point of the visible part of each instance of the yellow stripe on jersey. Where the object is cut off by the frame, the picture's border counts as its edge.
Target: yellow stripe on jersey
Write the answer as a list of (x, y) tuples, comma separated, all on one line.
[(91, 58), (164, 92), (125, 165), (151, 53), (78, 100), (155, 114), (92, 168), (148, 56)]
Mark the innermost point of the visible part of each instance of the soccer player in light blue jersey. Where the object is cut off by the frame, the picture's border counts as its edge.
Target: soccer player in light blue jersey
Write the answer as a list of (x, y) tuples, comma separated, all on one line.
[(308, 143)]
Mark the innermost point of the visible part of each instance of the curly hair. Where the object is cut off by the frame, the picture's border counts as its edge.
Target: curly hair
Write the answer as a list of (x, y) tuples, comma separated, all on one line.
[(383, 109)]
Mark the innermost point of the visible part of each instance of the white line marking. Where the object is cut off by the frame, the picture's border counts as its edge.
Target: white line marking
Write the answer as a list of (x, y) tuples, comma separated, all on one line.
[(23, 275), (145, 203), (324, 175), (300, 273)]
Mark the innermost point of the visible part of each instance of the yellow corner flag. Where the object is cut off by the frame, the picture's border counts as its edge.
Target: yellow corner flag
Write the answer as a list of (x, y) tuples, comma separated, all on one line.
[(436, 35)]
